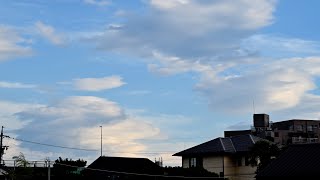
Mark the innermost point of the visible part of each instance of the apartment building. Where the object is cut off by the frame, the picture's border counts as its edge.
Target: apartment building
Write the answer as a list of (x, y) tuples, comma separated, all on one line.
[(294, 131)]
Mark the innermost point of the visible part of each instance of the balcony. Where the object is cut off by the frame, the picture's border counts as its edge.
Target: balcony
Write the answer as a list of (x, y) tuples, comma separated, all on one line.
[(301, 140)]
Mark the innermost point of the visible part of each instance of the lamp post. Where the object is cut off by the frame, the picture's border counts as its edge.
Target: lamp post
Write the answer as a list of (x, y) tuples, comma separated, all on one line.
[(101, 139)]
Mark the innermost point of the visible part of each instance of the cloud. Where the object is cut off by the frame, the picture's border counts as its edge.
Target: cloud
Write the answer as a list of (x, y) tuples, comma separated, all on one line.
[(97, 2), (74, 122), (217, 40), (49, 33), (279, 46), (98, 84), (12, 45), (64, 121), (243, 125), (139, 92), (166, 4), (8, 110), (5, 84), (190, 29), (273, 86)]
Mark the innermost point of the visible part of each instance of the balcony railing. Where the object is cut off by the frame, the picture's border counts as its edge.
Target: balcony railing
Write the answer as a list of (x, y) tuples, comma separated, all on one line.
[(299, 140)]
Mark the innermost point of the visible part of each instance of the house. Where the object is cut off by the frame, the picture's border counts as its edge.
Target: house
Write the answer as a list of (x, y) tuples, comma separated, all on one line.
[(225, 156), (122, 168), (299, 160)]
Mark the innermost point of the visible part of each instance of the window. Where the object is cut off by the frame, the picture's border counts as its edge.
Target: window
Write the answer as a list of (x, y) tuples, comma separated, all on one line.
[(246, 161), (239, 161), (299, 127), (193, 162), (309, 127), (276, 134), (291, 128)]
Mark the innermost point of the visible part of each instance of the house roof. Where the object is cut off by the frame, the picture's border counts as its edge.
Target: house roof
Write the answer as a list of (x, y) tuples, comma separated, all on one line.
[(2, 172), (235, 144), (297, 160), (126, 164)]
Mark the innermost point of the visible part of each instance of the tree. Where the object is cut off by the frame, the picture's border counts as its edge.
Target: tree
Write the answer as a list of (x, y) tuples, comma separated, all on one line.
[(68, 168), (22, 171), (262, 153), (20, 160)]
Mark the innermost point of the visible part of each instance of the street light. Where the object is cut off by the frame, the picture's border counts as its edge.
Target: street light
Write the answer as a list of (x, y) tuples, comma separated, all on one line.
[(101, 139)]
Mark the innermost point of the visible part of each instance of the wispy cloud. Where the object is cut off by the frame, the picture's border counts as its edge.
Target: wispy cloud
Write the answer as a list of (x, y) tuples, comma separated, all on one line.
[(98, 2), (12, 45), (211, 27), (98, 84), (139, 92), (17, 85), (280, 46), (49, 33)]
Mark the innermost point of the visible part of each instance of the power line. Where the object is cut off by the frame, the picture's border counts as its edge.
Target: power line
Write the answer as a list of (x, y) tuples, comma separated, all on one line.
[(57, 146), (138, 174)]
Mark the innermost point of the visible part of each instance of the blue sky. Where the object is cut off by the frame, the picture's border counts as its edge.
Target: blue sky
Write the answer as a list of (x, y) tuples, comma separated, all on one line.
[(158, 75)]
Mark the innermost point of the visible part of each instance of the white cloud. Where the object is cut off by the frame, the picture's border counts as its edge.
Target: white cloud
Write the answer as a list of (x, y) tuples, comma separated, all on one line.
[(64, 121), (5, 84), (97, 2), (278, 46), (49, 33), (165, 4), (75, 121), (8, 110), (98, 84), (274, 86), (191, 29), (12, 44)]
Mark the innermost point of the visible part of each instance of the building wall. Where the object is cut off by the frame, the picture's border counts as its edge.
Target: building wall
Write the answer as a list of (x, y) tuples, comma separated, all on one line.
[(286, 130), (226, 164), (185, 162), (213, 164)]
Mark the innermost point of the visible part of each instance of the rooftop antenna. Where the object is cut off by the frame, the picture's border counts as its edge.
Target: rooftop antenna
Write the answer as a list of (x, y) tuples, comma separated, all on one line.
[(254, 108)]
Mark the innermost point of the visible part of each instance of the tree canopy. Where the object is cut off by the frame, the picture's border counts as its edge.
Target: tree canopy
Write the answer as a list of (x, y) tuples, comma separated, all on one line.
[(262, 153), (68, 167)]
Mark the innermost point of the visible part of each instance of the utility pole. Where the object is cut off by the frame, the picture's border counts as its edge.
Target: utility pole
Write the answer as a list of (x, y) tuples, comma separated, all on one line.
[(2, 148), (101, 139), (49, 169)]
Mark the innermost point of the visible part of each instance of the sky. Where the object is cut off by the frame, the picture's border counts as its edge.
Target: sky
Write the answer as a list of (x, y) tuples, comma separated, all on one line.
[(158, 76)]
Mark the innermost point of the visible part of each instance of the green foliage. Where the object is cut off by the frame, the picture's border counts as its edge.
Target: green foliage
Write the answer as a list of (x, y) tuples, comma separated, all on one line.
[(20, 160), (22, 171), (262, 152), (66, 167)]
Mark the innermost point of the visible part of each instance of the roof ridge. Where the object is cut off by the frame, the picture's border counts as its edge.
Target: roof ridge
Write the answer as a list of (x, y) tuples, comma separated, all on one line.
[(224, 149), (252, 139), (235, 150)]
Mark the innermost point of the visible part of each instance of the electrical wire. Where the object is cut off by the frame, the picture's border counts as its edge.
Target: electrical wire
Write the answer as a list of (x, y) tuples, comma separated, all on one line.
[(138, 174), (57, 146)]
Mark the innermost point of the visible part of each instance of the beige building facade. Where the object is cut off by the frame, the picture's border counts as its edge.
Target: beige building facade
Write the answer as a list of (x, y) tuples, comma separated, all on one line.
[(224, 156)]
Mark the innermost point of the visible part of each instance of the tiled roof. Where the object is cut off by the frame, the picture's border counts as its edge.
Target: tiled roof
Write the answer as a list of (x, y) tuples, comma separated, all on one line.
[(234, 144), (126, 164), (297, 160)]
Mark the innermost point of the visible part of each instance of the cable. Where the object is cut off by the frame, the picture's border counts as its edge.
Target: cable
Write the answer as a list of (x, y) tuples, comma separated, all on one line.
[(57, 146), (138, 174)]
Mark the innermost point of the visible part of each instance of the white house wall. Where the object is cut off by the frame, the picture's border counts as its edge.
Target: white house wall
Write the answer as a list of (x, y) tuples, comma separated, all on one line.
[(227, 164)]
